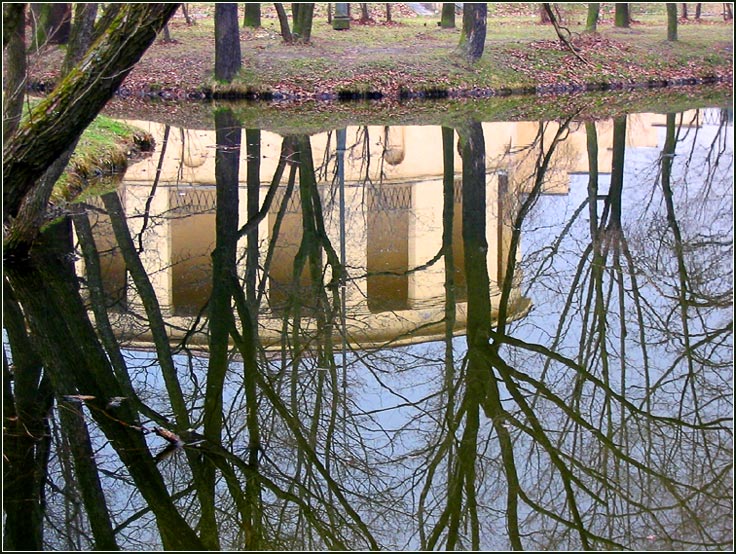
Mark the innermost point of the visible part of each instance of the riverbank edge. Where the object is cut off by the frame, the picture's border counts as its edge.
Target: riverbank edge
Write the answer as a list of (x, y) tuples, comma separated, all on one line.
[(217, 92)]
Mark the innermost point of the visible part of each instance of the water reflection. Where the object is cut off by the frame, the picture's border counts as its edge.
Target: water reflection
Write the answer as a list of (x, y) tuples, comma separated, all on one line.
[(492, 336)]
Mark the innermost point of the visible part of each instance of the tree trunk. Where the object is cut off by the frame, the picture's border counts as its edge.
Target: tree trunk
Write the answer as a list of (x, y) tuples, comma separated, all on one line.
[(14, 66), (622, 17), (283, 22), (87, 477), (684, 10), (51, 23), (185, 11), (671, 21), (364, 15), (166, 33), (27, 400), (544, 16), (69, 348), (473, 37), (448, 16), (30, 217), (64, 114), (227, 41), (253, 178), (302, 15), (341, 20), (591, 23), (698, 9), (388, 12), (252, 16)]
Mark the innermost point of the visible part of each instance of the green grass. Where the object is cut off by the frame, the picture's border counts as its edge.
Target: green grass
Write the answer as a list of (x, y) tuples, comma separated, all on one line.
[(102, 152)]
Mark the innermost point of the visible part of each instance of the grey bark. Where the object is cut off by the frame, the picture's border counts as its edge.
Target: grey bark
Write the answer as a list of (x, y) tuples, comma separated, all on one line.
[(227, 42), (473, 37)]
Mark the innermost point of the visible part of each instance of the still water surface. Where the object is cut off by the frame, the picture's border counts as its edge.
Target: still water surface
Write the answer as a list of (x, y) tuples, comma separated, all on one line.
[(494, 336)]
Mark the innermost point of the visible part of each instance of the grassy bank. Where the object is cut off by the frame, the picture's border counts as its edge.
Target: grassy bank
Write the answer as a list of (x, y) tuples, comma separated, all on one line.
[(102, 152), (412, 55)]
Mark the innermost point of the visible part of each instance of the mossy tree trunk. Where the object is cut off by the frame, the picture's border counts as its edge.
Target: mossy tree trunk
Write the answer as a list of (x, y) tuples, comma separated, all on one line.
[(31, 215), (62, 116), (227, 42), (473, 37), (591, 23), (447, 20), (302, 15), (252, 16), (671, 21), (622, 16)]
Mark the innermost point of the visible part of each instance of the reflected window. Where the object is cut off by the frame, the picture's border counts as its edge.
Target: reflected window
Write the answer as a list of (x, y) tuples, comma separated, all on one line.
[(389, 208), (192, 242), (287, 233)]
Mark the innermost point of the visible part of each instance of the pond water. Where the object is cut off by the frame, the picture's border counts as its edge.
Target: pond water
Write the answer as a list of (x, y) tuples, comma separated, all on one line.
[(502, 335)]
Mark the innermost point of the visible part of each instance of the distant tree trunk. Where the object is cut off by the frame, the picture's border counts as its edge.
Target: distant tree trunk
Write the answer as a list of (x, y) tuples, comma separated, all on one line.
[(544, 15), (388, 12), (473, 37), (252, 17), (303, 14), (188, 19), (684, 10), (448, 15), (166, 33), (727, 11), (671, 21), (698, 9), (80, 38), (283, 22), (14, 65), (51, 23), (329, 13), (227, 41), (364, 15), (591, 24), (622, 17)]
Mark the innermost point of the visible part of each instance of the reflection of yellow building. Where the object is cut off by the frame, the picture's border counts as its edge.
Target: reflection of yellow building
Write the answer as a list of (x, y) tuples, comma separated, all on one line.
[(393, 205)]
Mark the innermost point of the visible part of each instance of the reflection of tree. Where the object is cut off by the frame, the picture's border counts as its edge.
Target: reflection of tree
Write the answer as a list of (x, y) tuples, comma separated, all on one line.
[(611, 421), (77, 365), (594, 423)]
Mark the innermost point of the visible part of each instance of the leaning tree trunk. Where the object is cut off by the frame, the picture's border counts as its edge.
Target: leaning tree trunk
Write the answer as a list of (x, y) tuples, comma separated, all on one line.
[(30, 217), (283, 22), (63, 115)]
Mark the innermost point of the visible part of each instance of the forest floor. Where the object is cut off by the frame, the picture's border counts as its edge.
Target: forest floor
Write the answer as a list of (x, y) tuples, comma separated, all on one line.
[(412, 56)]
